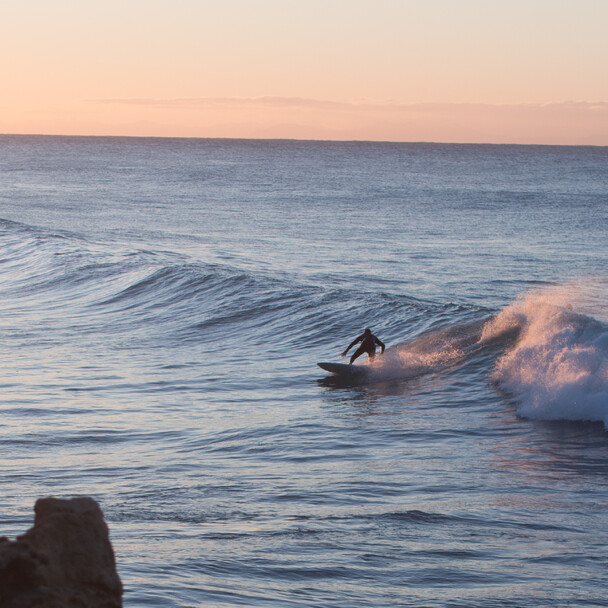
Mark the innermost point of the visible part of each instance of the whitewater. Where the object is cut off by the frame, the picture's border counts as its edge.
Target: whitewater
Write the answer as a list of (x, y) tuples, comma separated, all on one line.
[(554, 359), (163, 305)]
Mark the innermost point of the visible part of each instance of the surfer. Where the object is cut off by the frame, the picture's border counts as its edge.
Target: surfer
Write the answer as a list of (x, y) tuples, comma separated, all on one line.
[(368, 345)]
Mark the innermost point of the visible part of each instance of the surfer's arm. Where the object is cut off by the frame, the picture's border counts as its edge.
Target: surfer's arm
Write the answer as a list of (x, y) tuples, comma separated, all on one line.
[(352, 344), (380, 344)]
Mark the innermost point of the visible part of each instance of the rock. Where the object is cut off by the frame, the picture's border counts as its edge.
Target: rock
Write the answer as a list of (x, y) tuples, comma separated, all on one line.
[(64, 561)]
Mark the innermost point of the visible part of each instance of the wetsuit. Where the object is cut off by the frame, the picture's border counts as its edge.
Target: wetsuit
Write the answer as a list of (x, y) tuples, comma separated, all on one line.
[(368, 345)]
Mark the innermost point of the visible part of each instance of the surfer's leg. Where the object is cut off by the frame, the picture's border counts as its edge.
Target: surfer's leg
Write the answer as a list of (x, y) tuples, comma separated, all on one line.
[(357, 353)]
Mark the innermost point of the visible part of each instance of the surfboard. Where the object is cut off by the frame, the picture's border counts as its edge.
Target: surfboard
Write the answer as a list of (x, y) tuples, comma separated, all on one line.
[(344, 370)]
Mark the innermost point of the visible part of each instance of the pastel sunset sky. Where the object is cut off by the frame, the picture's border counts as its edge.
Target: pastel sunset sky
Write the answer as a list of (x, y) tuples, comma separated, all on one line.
[(512, 71)]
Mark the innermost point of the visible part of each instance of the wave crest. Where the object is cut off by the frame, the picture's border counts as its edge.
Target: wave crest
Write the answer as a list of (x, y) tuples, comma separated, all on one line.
[(558, 368)]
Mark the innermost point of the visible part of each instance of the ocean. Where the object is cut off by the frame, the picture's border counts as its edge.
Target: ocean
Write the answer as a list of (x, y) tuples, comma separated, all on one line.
[(163, 305)]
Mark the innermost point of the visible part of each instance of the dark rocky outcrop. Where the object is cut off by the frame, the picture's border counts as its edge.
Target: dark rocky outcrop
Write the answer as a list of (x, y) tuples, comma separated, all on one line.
[(64, 561)]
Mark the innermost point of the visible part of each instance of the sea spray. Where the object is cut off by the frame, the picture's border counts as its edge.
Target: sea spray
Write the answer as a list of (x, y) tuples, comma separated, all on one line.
[(558, 368), (432, 351)]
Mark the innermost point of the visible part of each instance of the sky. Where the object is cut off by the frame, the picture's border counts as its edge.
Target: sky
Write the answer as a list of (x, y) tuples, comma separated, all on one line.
[(495, 71)]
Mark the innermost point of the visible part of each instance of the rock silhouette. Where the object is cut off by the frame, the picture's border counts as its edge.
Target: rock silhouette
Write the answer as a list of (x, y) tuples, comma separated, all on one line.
[(64, 561)]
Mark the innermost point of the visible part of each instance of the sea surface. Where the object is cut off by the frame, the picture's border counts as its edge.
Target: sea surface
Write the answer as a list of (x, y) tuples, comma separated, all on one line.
[(163, 305)]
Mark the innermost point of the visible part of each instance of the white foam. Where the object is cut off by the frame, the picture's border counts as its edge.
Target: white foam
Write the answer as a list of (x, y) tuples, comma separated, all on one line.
[(558, 368)]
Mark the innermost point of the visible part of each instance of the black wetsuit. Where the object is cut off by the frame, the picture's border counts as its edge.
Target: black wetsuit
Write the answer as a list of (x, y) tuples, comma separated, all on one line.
[(368, 345)]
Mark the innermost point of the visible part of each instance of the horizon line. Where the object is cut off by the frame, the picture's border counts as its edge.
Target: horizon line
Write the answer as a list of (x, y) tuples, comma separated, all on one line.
[(307, 119), (303, 140)]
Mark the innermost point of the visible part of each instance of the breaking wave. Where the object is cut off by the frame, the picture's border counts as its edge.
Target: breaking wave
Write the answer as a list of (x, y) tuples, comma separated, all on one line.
[(558, 368), (549, 348)]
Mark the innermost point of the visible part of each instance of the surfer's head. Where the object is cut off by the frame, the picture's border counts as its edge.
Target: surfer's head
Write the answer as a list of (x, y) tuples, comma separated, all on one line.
[(367, 331)]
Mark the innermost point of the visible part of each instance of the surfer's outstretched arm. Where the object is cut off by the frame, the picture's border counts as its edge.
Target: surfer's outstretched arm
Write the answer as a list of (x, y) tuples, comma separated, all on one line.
[(352, 344), (380, 344)]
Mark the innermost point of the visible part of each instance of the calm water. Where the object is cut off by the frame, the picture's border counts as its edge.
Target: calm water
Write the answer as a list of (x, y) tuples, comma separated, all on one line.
[(163, 304)]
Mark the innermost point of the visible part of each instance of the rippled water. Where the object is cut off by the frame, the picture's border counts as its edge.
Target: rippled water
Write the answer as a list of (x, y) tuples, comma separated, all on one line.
[(164, 303)]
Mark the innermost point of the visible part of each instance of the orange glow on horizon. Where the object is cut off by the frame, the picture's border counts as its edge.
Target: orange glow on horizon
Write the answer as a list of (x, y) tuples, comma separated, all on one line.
[(470, 71), (559, 124)]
